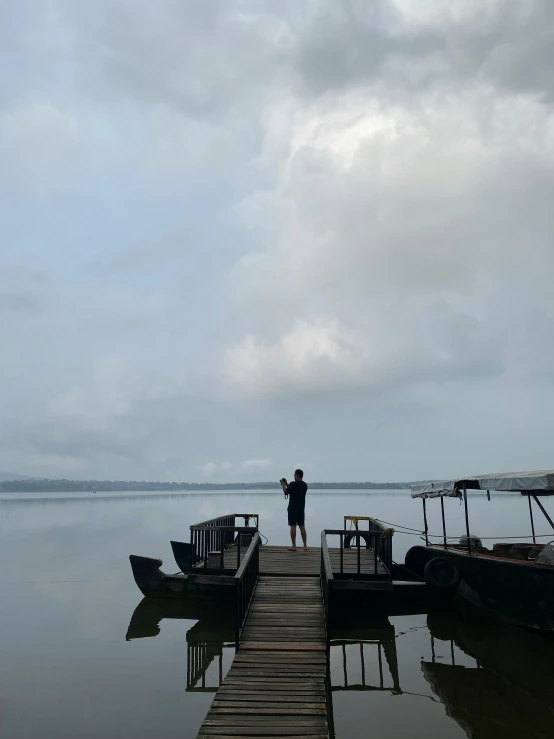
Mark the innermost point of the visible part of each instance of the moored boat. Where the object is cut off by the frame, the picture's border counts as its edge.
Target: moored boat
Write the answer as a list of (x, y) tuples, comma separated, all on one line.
[(153, 582), (514, 579), (208, 562)]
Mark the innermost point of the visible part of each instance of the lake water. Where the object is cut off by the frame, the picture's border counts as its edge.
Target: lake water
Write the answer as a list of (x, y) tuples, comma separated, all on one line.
[(74, 662)]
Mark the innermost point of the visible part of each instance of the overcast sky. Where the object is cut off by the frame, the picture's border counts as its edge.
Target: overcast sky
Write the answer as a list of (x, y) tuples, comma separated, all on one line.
[(243, 235)]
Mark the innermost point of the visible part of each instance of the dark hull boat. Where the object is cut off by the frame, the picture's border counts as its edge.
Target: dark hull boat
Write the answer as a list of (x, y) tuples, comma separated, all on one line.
[(154, 583), (513, 580), (519, 591), (208, 563)]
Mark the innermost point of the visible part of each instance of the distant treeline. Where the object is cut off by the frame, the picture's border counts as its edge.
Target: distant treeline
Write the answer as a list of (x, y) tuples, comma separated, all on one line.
[(88, 486)]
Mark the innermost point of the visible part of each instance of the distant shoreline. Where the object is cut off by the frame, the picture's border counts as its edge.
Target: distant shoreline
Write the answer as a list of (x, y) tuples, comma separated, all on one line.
[(116, 486)]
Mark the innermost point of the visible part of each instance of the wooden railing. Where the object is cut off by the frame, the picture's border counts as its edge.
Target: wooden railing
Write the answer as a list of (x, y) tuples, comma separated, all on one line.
[(216, 535), (377, 539), (384, 541), (246, 580), (326, 580)]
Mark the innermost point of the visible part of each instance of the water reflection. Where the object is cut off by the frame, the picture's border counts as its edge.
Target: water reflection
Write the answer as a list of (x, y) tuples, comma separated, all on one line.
[(209, 640), (150, 612), (508, 692), (68, 594), (363, 655), (356, 647), (504, 691)]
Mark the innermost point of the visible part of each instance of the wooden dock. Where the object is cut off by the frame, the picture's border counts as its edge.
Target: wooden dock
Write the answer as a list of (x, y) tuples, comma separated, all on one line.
[(276, 560), (277, 685), (284, 603)]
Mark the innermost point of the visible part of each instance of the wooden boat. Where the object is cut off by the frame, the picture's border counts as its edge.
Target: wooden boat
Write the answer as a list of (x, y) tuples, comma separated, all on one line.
[(155, 583), (203, 561), (515, 580)]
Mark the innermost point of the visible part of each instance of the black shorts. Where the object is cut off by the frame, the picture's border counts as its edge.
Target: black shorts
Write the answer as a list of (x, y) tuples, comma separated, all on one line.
[(296, 516)]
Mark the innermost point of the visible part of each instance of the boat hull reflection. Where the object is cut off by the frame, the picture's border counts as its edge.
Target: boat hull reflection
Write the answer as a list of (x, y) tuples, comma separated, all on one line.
[(508, 693)]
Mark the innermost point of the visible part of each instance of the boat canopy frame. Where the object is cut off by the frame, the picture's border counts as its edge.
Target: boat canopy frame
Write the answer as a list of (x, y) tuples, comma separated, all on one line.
[(531, 484), (534, 483)]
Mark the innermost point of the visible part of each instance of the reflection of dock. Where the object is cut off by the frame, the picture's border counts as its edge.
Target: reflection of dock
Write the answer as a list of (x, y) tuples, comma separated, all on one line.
[(358, 645), (360, 648), (495, 680), (204, 647), (199, 657), (285, 687)]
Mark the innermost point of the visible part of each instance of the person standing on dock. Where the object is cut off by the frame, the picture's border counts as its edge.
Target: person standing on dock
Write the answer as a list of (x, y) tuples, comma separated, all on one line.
[(296, 494)]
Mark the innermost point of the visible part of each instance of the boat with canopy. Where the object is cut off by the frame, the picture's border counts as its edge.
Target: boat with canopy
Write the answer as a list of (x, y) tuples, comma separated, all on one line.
[(514, 579)]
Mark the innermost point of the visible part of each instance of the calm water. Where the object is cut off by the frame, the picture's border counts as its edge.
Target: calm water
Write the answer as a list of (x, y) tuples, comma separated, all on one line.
[(81, 658)]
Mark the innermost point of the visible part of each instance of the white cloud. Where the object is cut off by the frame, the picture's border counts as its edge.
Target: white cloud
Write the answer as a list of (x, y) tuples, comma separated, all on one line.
[(220, 469), (401, 221), (38, 140), (209, 469), (253, 465), (392, 163), (47, 464), (448, 13), (111, 394), (216, 469), (310, 357), (374, 196), (397, 349)]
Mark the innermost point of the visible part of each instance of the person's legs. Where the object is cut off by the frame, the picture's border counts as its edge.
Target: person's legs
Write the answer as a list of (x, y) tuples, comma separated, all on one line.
[(293, 538), (304, 536)]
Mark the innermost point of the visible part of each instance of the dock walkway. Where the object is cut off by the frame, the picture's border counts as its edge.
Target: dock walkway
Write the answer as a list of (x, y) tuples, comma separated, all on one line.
[(278, 560), (277, 685)]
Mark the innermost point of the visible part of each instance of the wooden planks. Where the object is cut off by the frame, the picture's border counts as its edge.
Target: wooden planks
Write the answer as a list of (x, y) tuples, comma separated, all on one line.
[(276, 686), (279, 561)]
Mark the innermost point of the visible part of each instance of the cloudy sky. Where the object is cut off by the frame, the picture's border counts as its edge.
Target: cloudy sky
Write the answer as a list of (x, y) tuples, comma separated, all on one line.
[(243, 235)]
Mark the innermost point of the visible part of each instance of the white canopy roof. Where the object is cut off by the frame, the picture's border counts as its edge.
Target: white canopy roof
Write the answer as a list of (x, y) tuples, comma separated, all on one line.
[(537, 482)]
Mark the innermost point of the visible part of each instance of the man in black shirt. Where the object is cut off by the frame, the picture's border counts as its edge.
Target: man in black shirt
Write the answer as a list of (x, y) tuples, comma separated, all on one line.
[(296, 494)]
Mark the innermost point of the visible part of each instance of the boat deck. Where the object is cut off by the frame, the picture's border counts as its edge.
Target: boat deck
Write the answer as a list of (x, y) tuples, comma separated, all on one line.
[(277, 683)]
